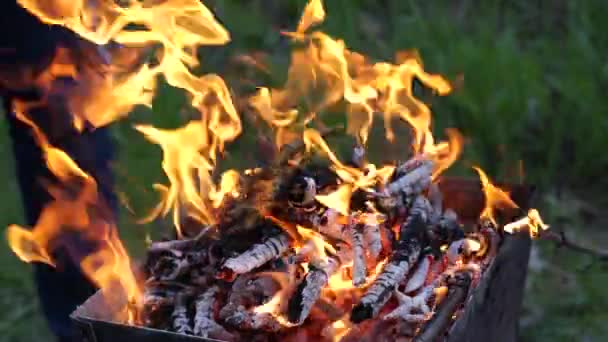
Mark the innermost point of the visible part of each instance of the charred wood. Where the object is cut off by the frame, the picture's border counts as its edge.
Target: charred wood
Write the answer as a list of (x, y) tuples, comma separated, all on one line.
[(411, 241), (256, 256), (434, 329)]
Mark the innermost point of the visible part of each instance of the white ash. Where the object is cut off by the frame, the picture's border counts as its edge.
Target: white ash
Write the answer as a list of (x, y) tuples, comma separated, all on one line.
[(316, 279), (204, 322), (419, 276), (310, 191), (328, 224), (460, 248), (359, 262), (396, 269), (421, 208), (372, 236), (377, 294), (413, 309), (436, 200), (250, 320), (414, 181), (258, 254), (181, 323)]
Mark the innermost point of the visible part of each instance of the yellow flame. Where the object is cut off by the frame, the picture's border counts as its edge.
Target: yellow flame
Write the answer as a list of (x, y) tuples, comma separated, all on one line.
[(532, 221), (339, 282), (324, 72), (314, 13), (177, 26), (320, 245), (82, 212), (339, 329), (353, 178), (496, 198), (473, 245)]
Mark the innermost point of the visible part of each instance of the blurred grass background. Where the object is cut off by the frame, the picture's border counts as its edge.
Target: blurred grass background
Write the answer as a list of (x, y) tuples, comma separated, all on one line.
[(535, 78)]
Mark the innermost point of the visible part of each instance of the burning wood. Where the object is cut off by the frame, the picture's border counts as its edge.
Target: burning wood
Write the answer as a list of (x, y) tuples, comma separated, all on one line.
[(309, 289), (420, 275), (256, 256), (280, 242), (411, 241)]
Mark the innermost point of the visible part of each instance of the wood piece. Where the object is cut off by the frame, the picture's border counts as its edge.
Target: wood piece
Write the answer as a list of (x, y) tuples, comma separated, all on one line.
[(372, 236), (413, 309), (437, 325), (413, 182), (405, 255), (419, 276), (257, 255), (359, 261), (204, 321), (309, 290), (179, 317)]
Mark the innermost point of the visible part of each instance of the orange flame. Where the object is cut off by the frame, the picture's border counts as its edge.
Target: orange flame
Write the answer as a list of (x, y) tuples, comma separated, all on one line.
[(177, 26), (189, 160), (353, 178), (324, 72), (532, 221), (319, 243), (108, 265), (496, 198)]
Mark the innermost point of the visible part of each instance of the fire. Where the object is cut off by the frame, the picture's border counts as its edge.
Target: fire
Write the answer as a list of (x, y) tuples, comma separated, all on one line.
[(189, 161), (177, 27), (323, 73), (532, 221), (496, 198), (318, 242), (76, 209)]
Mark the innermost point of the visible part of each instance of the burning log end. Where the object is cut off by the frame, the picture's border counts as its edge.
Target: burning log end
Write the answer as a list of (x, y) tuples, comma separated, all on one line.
[(309, 290), (412, 239)]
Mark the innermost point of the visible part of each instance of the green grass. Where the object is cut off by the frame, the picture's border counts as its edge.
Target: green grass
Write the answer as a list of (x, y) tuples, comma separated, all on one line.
[(535, 77)]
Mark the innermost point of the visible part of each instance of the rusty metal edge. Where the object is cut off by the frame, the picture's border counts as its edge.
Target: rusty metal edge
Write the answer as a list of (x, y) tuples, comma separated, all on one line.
[(91, 329)]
